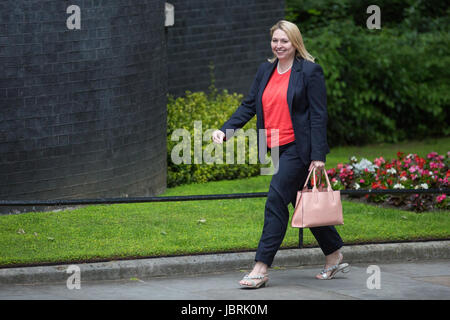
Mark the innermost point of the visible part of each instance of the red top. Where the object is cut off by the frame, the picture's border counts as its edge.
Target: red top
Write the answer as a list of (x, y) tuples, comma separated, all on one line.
[(276, 110)]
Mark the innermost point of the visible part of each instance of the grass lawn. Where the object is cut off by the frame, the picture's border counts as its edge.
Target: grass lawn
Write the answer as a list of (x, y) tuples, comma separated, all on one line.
[(108, 232)]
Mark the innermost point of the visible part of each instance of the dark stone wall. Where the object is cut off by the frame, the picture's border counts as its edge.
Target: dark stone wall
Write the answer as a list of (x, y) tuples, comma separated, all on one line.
[(83, 112), (233, 35)]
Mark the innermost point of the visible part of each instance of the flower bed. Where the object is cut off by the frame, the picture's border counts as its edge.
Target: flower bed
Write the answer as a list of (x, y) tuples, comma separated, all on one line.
[(406, 172)]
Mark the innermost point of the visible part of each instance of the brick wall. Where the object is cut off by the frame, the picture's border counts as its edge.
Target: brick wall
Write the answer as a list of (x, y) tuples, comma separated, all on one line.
[(233, 35), (83, 112)]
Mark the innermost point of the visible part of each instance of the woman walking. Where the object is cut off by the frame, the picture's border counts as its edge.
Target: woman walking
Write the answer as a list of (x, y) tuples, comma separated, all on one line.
[(288, 94)]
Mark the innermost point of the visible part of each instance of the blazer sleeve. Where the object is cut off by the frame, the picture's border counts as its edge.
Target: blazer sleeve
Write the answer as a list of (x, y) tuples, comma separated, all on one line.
[(247, 109), (317, 98)]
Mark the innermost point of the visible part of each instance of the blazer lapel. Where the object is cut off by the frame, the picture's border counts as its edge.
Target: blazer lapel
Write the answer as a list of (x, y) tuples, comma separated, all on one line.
[(262, 86), (265, 79), (293, 80)]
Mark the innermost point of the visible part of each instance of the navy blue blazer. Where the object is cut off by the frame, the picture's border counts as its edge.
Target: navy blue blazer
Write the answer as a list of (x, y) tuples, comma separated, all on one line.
[(307, 101)]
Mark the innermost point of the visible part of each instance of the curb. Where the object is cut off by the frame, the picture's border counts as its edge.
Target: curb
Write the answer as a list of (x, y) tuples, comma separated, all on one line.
[(210, 263)]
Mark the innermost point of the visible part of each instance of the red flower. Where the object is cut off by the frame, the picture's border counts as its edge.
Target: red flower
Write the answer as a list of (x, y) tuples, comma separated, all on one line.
[(420, 162), (378, 185)]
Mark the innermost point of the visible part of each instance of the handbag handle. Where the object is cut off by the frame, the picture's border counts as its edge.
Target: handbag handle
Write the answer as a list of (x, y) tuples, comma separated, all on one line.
[(329, 188)]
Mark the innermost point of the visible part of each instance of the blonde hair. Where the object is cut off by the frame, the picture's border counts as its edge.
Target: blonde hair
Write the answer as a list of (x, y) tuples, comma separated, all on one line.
[(295, 37)]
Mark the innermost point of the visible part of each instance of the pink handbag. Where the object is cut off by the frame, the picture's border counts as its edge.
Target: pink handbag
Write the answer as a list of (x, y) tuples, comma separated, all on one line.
[(317, 207)]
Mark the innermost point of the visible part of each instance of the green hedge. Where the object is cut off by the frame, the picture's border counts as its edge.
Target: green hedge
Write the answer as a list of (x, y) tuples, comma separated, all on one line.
[(383, 85), (212, 109), (413, 15)]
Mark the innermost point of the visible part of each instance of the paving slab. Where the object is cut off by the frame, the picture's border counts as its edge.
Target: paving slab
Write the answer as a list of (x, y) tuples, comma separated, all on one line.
[(421, 280)]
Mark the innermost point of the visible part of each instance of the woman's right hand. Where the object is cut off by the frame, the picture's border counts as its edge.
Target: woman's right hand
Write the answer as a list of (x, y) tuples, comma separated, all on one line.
[(218, 136)]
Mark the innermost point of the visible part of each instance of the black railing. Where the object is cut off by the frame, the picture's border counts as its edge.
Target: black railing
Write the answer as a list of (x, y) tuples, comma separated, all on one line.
[(63, 202)]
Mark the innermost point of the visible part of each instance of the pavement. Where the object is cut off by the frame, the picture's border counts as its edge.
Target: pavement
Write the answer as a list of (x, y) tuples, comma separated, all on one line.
[(416, 270)]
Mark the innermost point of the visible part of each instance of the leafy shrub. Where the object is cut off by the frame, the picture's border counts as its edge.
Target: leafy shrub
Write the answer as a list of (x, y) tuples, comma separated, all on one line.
[(212, 109), (418, 15), (383, 86)]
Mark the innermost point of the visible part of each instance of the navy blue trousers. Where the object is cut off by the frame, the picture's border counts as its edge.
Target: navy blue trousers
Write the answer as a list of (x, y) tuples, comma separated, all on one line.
[(290, 178)]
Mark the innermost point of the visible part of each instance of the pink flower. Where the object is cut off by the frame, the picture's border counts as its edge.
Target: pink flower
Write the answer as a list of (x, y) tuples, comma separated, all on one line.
[(434, 165), (413, 176), (432, 155), (362, 181), (441, 198), (412, 169), (379, 161)]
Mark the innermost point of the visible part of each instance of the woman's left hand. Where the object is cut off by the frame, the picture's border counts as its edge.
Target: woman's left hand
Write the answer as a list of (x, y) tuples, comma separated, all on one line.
[(317, 165)]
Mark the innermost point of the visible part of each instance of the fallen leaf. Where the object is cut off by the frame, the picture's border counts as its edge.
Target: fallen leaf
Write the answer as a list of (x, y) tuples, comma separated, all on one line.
[(21, 231), (50, 238), (164, 233), (201, 221)]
